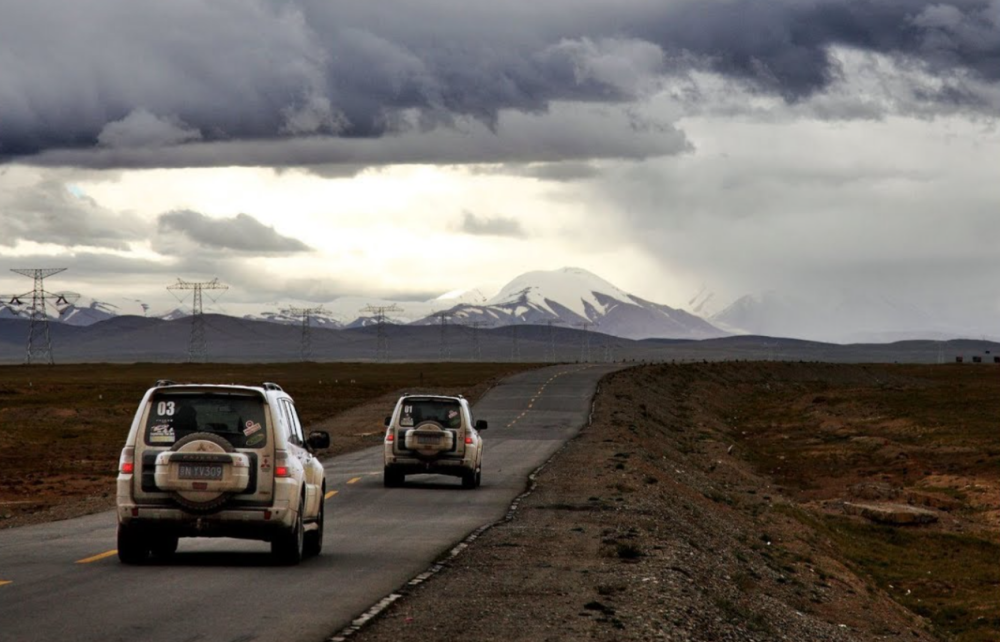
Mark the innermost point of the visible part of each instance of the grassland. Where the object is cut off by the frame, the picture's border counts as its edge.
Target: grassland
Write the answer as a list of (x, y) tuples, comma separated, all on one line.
[(62, 427), (922, 435)]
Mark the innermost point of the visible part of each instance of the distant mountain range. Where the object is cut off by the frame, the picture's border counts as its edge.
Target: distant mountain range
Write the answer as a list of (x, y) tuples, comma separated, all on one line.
[(573, 298), (569, 297)]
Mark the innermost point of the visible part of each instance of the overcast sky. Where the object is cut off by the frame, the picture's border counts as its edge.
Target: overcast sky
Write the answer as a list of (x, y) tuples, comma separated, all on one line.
[(306, 149)]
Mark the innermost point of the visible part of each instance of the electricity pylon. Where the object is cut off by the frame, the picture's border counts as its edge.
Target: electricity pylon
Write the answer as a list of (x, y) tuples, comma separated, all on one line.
[(305, 343), (39, 348), (443, 317), (552, 338), (515, 346), (477, 348), (378, 313), (197, 343), (585, 339)]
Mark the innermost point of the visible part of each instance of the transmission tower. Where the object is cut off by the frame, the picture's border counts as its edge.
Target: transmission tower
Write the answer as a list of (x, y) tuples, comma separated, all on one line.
[(477, 348), (552, 338), (515, 346), (197, 344), (443, 317), (378, 313), (39, 348), (585, 339), (305, 344)]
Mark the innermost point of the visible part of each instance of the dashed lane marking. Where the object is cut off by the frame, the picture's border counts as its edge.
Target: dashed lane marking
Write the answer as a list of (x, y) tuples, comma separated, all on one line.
[(538, 394), (2, 582), (353, 480), (99, 556), (330, 494)]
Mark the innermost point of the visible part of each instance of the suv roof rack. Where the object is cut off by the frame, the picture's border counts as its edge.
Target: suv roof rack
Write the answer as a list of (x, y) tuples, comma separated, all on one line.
[(165, 382), (272, 386)]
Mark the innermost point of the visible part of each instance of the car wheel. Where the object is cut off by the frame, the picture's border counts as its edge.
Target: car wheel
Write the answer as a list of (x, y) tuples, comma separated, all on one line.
[(287, 547), (313, 540), (469, 479), (163, 546), (479, 478), (132, 547)]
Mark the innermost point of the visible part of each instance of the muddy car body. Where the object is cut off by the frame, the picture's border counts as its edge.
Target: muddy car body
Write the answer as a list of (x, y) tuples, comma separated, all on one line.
[(433, 434), (205, 460)]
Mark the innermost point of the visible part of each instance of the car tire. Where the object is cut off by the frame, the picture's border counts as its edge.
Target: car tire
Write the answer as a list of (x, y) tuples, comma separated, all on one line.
[(288, 547), (132, 546), (163, 546), (479, 478), (392, 478), (469, 479), (313, 540)]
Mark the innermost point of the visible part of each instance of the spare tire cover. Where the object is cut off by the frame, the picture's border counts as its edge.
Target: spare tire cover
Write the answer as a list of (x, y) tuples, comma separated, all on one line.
[(445, 439), (202, 501)]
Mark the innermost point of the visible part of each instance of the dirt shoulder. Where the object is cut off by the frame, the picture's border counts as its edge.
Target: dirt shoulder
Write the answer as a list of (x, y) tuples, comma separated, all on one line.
[(657, 523)]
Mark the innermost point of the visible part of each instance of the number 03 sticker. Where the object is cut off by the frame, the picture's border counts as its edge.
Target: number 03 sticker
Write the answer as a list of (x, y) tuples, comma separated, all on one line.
[(165, 409)]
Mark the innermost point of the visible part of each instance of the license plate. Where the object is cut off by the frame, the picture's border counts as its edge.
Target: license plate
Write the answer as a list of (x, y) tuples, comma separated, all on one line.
[(428, 439), (200, 471)]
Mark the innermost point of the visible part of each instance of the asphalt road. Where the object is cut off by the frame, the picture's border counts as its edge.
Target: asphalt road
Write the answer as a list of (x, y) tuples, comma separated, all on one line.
[(63, 581)]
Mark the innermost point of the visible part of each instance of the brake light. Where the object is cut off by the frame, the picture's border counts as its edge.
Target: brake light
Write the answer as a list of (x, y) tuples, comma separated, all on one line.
[(389, 437), (280, 463), (468, 440), (126, 463)]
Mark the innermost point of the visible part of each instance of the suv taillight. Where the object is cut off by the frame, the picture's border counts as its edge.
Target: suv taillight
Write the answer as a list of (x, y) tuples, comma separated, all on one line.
[(280, 463), (126, 463), (389, 437)]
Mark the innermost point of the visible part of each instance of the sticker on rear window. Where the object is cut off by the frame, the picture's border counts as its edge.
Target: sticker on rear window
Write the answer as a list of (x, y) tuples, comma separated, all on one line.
[(406, 421), (256, 439), (251, 428), (161, 434)]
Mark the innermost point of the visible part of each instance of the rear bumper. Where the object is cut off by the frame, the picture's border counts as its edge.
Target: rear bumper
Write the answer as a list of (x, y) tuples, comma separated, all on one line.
[(414, 466), (244, 523)]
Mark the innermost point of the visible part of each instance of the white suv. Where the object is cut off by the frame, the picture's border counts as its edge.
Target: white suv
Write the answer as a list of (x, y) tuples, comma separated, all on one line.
[(433, 434), (207, 460)]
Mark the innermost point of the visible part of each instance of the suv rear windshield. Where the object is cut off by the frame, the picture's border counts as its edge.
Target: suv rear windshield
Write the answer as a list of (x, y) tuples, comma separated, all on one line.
[(417, 410), (236, 418)]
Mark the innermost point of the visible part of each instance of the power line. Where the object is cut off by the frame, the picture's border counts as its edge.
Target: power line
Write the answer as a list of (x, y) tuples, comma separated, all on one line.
[(39, 347), (378, 312), (197, 345), (305, 343)]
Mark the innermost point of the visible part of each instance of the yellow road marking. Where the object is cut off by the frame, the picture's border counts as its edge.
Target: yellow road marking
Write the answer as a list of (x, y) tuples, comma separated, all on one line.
[(88, 560), (2, 582), (330, 494), (353, 480)]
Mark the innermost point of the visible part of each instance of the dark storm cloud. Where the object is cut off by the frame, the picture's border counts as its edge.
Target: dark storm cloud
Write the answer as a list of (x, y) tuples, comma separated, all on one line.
[(52, 212), (122, 76), (242, 233), (490, 226)]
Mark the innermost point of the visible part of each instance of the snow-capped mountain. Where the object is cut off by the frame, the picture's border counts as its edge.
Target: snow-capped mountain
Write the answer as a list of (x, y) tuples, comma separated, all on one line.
[(569, 297), (574, 297)]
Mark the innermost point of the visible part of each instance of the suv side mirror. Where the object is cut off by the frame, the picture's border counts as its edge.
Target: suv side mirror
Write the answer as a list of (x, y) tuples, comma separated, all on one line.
[(388, 420), (319, 440), (481, 424)]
